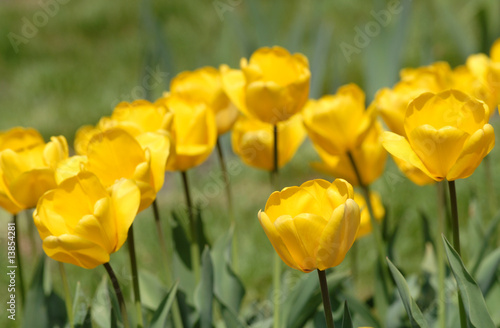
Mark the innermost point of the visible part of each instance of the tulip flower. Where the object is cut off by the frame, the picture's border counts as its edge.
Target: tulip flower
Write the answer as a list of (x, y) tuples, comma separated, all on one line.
[(365, 225), (252, 140), (272, 86), (15, 139), (448, 135), (138, 117), (391, 104), (370, 156), (28, 171), (114, 154), (193, 130), (479, 77), (338, 123), (312, 226), (205, 85), (81, 223), (495, 51)]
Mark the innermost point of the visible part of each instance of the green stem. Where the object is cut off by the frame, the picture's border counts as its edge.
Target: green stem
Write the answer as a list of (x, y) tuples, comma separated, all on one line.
[(119, 294), (326, 299), (135, 276), (440, 255), (456, 243), (354, 262), (490, 189), (195, 250), (230, 207), (19, 261), (168, 265), (277, 260), (377, 234), (67, 294)]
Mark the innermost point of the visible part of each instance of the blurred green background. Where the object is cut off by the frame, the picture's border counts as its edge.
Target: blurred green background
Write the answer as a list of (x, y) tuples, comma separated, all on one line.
[(66, 63)]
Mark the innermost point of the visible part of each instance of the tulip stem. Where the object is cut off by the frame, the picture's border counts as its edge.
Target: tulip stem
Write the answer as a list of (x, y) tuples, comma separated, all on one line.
[(326, 298), (135, 276), (440, 255), (456, 244), (375, 227), (67, 294), (277, 260), (195, 250), (168, 263), (230, 207), (119, 294), (18, 259)]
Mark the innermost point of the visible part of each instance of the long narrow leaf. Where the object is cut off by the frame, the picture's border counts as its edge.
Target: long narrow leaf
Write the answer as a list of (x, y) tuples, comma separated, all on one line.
[(160, 316), (474, 304), (488, 271), (347, 321), (416, 317)]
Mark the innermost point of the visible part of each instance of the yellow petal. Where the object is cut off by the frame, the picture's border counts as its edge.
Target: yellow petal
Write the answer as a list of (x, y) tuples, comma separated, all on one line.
[(75, 250), (300, 235), (233, 82), (19, 138), (339, 235), (495, 51), (399, 147), (55, 151), (70, 167), (438, 149), (159, 147), (31, 185), (474, 150), (113, 155), (276, 240), (125, 196)]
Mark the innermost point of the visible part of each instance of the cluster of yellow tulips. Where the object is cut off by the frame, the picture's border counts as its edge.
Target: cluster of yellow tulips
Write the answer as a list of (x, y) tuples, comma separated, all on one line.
[(86, 203)]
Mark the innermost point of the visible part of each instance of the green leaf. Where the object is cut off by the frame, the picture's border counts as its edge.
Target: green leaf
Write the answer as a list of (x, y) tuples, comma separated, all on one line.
[(87, 320), (470, 293), (56, 309), (181, 241), (347, 321), (486, 239), (101, 304), (205, 290), (152, 290), (81, 307), (228, 287), (230, 318), (161, 314), (359, 308), (416, 317), (488, 270), (35, 311), (305, 297)]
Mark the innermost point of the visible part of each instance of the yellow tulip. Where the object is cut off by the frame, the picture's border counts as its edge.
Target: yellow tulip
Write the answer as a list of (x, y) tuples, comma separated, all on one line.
[(447, 135), (272, 86), (16, 139), (312, 226), (138, 117), (338, 123), (115, 154), (370, 158), (253, 141), (28, 171), (495, 51), (480, 77), (82, 222), (391, 104), (193, 131), (365, 225), (205, 85)]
